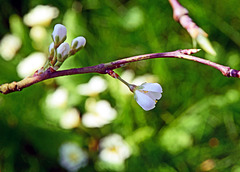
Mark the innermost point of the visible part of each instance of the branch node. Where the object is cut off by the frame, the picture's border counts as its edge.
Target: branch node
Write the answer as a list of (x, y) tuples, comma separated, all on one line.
[(112, 73), (179, 12), (189, 51), (234, 73), (9, 87)]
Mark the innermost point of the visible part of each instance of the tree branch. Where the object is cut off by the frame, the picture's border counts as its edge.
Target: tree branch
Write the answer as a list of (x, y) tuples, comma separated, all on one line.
[(105, 67)]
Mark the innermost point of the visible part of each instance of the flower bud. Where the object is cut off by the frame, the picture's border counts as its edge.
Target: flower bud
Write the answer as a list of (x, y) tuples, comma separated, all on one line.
[(59, 34), (147, 94), (78, 43), (51, 50), (63, 52)]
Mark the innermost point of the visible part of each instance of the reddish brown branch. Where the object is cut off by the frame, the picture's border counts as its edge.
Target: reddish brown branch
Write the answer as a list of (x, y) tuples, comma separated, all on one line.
[(104, 68)]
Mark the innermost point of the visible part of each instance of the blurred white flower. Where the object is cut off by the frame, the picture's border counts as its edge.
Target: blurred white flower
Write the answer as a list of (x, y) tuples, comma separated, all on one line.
[(147, 94), (145, 78), (128, 74), (70, 119), (58, 98), (40, 15), (72, 157), (95, 86), (30, 64), (133, 18), (113, 149), (9, 45), (99, 113), (38, 33), (59, 34)]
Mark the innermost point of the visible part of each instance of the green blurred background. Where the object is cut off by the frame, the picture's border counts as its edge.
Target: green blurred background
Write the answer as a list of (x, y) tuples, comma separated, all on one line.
[(194, 127)]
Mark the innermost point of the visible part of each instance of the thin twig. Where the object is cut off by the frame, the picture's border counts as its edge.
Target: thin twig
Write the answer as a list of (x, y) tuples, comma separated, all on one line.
[(105, 67)]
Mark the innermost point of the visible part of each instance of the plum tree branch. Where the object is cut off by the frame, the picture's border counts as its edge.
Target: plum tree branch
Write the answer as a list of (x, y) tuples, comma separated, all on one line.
[(180, 14), (105, 67)]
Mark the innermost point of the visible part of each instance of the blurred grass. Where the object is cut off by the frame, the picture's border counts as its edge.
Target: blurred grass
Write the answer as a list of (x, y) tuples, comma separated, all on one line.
[(197, 119)]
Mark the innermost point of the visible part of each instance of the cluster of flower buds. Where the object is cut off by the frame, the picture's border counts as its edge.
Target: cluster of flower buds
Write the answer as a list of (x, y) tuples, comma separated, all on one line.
[(59, 50)]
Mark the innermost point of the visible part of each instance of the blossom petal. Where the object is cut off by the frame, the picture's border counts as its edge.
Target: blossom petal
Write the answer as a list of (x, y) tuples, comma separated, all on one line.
[(109, 156), (144, 100), (30, 64), (105, 111), (154, 95), (72, 157), (90, 89), (93, 121), (154, 87), (113, 149), (41, 15)]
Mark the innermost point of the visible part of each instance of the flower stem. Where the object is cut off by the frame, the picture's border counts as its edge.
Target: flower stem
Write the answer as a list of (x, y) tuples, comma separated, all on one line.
[(116, 76)]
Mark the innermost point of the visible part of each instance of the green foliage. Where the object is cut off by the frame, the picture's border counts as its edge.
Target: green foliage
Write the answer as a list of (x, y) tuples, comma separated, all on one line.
[(195, 125)]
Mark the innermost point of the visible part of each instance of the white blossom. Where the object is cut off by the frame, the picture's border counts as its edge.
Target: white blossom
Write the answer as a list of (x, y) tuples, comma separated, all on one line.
[(38, 33), (58, 98), (98, 114), (147, 94), (9, 45), (40, 15), (63, 51), (149, 78), (72, 157), (30, 64), (70, 119), (113, 149), (59, 34), (78, 43), (95, 86)]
